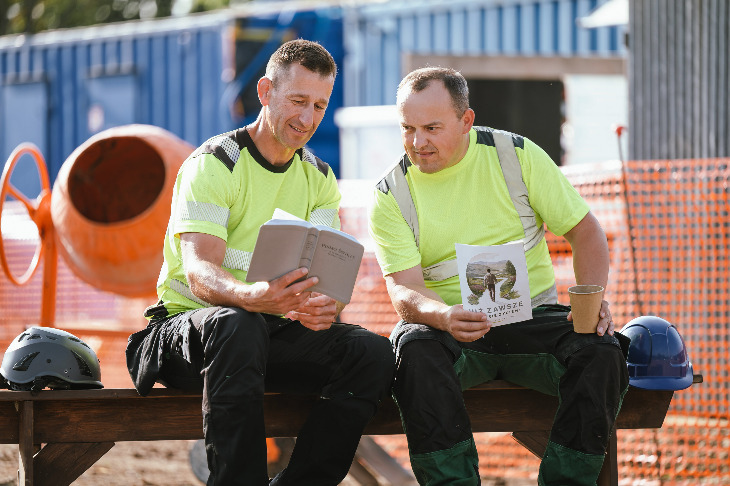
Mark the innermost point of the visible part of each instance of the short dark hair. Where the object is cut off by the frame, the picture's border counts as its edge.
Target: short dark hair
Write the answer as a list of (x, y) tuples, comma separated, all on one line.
[(310, 55), (454, 82)]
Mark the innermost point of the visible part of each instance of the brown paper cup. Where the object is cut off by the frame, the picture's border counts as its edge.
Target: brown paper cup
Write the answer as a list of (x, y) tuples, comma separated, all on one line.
[(585, 303)]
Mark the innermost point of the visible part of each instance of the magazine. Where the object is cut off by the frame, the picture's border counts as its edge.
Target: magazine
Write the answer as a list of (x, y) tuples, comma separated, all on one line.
[(494, 280)]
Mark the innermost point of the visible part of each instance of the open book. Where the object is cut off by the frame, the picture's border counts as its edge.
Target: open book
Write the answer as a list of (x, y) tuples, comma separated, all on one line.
[(494, 280), (331, 255)]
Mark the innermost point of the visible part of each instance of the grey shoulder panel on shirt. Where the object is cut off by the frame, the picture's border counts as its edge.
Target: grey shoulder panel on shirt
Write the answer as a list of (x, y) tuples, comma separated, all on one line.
[(485, 136), (309, 157), (403, 164), (223, 147)]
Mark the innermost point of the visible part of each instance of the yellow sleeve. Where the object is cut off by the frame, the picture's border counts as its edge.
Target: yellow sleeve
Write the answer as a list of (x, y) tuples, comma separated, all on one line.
[(395, 245)]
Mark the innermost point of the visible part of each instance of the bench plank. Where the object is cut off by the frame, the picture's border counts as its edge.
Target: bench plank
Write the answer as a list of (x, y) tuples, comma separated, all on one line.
[(87, 423), (122, 415)]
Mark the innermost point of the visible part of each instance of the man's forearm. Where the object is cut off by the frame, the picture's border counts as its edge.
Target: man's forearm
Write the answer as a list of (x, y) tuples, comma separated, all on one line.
[(418, 304), (216, 286), (591, 268), (590, 252)]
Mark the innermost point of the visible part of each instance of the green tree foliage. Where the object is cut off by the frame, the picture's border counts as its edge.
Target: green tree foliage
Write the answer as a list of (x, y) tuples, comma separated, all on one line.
[(510, 268), (32, 16)]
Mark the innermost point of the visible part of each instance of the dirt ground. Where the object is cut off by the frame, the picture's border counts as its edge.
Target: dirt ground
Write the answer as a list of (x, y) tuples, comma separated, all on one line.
[(158, 463)]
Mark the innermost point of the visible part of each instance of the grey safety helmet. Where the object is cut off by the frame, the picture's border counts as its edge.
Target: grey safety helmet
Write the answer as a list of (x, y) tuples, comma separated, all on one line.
[(47, 357)]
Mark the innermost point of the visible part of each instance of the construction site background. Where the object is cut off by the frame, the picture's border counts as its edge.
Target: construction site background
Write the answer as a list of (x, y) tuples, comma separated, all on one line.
[(667, 226)]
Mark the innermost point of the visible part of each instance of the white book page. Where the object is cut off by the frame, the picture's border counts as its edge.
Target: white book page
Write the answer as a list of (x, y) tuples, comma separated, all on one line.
[(281, 214)]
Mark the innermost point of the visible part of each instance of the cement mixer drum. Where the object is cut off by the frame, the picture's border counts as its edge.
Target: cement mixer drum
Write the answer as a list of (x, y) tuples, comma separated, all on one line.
[(111, 205)]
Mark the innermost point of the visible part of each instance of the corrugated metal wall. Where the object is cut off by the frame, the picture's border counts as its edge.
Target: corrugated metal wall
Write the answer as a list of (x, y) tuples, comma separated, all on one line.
[(377, 36), (158, 67), (679, 83), (183, 74)]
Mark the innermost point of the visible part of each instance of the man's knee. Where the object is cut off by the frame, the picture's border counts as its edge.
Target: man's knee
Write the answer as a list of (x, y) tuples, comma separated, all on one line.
[(602, 361), (371, 357), (378, 353), (421, 357), (428, 393), (233, 328), (425, 372)]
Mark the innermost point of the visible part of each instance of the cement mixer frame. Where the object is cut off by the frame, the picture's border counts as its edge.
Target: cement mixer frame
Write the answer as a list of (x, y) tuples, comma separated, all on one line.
[(39, 212), (106, 213)]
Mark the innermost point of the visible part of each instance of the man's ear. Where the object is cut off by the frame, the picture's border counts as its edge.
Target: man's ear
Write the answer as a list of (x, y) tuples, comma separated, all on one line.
[(468, 120), (264, 87)]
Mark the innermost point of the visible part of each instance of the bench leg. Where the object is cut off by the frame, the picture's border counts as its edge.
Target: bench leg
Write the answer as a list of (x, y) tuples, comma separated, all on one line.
[(26, 448), (536, 442), (54, 464), (377, 461), (62, 464), (609, 471)]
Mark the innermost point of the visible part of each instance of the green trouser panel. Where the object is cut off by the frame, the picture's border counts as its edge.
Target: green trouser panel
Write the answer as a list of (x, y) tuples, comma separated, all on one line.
[(539, 372), (562, 466), (457, 466)]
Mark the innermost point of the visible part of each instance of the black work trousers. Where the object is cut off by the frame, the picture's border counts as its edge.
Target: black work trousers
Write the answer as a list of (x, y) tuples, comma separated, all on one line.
[(586, 371), (235, 356)]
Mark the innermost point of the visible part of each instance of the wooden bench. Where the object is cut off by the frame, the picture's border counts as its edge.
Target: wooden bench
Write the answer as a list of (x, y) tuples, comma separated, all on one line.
[(61, 433)]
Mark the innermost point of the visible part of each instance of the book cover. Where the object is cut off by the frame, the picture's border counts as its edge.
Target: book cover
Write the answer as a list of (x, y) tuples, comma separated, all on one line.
[(331, 255), (494, 280)]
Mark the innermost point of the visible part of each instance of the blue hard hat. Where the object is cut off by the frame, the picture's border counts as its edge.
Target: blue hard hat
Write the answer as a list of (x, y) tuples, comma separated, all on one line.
[(657, 358)]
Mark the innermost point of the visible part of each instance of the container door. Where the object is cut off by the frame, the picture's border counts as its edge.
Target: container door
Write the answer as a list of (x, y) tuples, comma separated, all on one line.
[(112, 102), (24, 119)]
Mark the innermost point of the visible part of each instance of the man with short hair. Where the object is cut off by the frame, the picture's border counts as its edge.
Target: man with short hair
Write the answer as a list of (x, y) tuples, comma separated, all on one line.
[(213, 332), (432, 199)]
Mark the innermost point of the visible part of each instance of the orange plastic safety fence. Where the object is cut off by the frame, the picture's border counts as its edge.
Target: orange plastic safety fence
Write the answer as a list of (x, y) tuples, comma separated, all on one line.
[(667, 224)]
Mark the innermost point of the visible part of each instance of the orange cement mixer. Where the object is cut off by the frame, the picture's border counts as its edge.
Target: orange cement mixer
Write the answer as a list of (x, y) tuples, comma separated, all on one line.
[(111, 203)]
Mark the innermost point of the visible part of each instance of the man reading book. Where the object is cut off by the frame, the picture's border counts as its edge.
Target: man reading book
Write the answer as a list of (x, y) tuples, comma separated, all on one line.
[(442, 348), (211, 331)]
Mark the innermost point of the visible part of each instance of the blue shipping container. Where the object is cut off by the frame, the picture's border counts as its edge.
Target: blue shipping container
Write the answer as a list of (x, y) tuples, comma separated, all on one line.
[(194, 76)]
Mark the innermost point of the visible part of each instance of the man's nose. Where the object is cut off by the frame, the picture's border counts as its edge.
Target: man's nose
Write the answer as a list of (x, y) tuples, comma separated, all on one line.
[(419, 140), (306, 116)]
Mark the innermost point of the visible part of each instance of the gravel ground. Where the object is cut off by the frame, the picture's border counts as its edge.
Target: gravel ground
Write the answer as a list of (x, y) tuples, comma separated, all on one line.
[(158, 463)]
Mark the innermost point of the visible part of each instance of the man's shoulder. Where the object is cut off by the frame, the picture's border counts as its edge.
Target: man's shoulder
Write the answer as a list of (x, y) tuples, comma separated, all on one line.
[(395, 172), (485, 136), (307, 157), (226, 147)]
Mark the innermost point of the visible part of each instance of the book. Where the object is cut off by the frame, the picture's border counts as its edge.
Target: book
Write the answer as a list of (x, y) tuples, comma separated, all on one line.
[(331, 255), (493, 280)]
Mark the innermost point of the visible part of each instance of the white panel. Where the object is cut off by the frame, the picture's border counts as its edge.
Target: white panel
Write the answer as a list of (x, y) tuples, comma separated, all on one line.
[(594, 105), (369, 140)]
